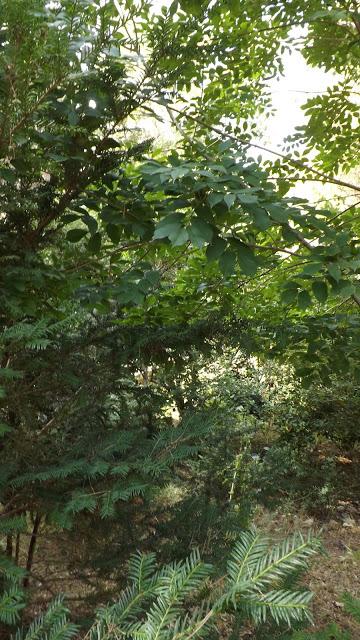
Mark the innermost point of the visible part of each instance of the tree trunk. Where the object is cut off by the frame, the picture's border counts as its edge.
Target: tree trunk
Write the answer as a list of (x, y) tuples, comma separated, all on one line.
[(32, 545), (9, 545), (17, 548)]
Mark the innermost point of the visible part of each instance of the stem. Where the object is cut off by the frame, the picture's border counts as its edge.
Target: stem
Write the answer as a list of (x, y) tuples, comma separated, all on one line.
[(17, 548), (236, 469), (32, 546), (9, 545)]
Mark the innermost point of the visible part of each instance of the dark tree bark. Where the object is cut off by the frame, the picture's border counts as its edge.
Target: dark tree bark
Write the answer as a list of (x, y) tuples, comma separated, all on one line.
[(9, 545), (32, 546)]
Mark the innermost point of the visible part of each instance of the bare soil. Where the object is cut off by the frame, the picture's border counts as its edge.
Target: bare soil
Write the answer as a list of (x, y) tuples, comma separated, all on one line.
[(331, 574)]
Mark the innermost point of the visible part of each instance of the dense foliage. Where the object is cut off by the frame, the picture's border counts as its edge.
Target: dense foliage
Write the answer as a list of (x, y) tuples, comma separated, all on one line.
[(164, 304)]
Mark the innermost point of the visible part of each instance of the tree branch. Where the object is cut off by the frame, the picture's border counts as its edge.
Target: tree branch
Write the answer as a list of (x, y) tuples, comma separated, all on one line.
[(297, 163)]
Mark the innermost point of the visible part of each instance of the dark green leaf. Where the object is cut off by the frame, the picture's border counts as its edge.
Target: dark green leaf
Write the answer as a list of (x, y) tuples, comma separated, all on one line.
[(94, 243), (172, 224), (215, 249), (114, 232), (320, 290), (246, 258), (200, 232), (74, 235), (227, 262), (304, 299), (334, 271), (277, 212)]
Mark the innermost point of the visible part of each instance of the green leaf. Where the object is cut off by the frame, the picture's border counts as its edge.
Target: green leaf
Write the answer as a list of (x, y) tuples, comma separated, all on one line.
[(114, 232), (216, 249), (10, 374), (277, 212), (320, 290), (167, 226), (193, 7), (215, 198), (289, 295), (288, 234), (235, 7), (334, 270), (229, 200), (247, 198), (312, 268), (8, 175), (178, 237), (58, 157), (74, 235), (179, 172), (70, 217), (200, 232), (110, 215), (91, 223), (227, 262), (4, 428), (247, 260), (304, 299), (347, 291), (261, 218), (94, 243), (152, 277)]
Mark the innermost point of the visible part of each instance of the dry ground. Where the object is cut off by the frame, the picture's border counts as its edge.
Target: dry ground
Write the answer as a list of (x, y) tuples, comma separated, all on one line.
[(332, 574)]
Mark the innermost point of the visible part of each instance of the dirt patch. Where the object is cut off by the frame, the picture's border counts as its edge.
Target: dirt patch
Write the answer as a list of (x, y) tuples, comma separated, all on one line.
[(331, 574)]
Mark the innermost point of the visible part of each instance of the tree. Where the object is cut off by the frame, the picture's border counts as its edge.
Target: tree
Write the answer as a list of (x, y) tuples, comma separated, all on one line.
[(117, 255)]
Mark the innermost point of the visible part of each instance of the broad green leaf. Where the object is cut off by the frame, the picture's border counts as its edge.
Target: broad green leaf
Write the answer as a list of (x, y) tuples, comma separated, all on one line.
[(69, 217), (246, 258), (277, 212), (94, 243), (172, 224), (215, 198), (193, 7), (227, 262), (347, 291), (320, 290), (229, 200), (235, 7), (179, 172), (334, 270), (216, 249), (8, 175), (74, 235), (10, 374), (91, 223), (312, 268), (261, 218), (152, 277), (178, 236), (110, 215), (200, 232), (247, 198), (114, 232), (304, 299), (289, 295), (288, 234)]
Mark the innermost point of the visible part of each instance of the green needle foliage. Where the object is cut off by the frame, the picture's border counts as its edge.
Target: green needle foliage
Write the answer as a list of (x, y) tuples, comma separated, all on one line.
[(54, 624), (168, 601), (333, 631), (12, 596)]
